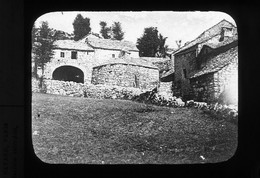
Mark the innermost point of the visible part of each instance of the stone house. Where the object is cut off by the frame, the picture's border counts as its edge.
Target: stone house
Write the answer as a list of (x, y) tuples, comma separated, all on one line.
[(80, 61), (214, 47), (128, 72)]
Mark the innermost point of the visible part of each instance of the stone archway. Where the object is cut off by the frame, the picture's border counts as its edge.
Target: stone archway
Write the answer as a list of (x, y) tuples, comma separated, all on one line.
[(68, 73)]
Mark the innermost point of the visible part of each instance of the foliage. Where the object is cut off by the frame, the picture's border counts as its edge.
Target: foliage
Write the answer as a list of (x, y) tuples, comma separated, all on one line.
[(162, 47), (151, 43), (61, 35), (42, 47), (118, 34), (81, 27), (105, 31)]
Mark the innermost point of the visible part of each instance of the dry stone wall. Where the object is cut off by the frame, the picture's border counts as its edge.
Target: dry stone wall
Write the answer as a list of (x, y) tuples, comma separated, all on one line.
[(87, 90)]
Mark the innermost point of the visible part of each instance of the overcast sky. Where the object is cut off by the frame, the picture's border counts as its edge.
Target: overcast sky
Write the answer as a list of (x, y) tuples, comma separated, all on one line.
[(183, 26)]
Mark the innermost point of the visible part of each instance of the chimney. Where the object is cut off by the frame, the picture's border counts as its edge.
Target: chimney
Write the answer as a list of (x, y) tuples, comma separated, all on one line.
[(225, 32)]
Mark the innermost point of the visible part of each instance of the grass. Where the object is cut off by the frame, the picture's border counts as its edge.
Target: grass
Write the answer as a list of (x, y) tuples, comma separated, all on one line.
[(82, 130)]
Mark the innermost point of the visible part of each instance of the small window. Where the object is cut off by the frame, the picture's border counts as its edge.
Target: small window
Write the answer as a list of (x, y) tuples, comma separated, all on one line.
[(62, 54), (113, 55), (184, 73), (73, 54)]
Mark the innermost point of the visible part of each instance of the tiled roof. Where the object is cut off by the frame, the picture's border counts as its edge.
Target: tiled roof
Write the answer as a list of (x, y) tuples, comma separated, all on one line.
[(71, 44), (111, 44), (217, 62), (128, 60), (206, 35)]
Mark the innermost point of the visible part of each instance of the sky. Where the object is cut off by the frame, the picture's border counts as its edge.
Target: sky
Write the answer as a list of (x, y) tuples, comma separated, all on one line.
[(184, 26)]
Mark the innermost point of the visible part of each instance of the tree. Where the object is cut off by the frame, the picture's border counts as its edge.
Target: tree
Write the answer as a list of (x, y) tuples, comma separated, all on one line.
[(42, 47), (162, 48), (61, 35), (152, 43), (118, 34), (105, 30), (148, 43), (81, 27)]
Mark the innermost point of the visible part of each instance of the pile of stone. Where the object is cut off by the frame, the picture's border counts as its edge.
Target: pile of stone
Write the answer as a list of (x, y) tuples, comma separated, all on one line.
[(220, 111), (160, 99)]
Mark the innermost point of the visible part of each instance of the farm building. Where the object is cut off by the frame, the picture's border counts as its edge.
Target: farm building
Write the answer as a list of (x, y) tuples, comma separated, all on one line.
[(128, 72), (204, 67), (101, 61)]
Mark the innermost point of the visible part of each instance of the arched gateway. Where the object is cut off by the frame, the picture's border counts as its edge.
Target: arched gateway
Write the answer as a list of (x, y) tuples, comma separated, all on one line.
[(68, 73)]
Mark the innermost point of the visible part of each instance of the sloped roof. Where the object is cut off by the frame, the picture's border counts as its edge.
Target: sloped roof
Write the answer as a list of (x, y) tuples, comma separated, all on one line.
[(206, 35), (155, 59), (166, 74), (128, 60), (71, 44), (223, 43), (217, 62), (110, 44)]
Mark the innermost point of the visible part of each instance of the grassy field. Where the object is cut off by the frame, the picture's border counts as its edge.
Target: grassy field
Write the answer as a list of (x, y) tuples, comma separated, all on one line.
[(82, 130)]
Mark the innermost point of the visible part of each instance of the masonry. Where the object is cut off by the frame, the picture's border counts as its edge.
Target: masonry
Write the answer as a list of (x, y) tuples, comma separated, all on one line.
[(126, 75), (209, 86)]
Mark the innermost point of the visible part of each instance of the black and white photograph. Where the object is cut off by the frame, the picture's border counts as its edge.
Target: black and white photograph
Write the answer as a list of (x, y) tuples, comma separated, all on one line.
[(134, 87)]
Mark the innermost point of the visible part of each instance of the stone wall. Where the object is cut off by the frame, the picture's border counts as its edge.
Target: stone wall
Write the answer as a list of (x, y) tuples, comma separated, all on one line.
[(226, 81), (35, 85), (126, 76), (203, 88), (84, 62), (165, 87), (102, 55), (64, 88), (209, 87), (183, 61), (87, 90)]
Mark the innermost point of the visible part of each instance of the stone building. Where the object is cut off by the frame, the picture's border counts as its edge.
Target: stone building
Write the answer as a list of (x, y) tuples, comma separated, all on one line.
[(81, 61), (128, 72), (214, 47)]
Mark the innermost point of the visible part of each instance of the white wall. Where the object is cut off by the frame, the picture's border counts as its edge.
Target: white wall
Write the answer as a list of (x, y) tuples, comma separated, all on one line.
[(81, 55)]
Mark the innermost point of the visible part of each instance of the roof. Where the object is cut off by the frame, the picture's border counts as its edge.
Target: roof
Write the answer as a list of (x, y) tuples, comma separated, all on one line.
[(223, 43), (216, 63), (110, 44), (155, 59), (128, 60), (206, 35), (71, 44), (168, 73)]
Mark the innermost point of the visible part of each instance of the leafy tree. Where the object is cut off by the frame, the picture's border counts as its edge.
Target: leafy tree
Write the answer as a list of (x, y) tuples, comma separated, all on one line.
[(148, 43), (81, 27), (162, 48), (118, 34), (42, 48), (105, 31), (61, 35), (152, 43)]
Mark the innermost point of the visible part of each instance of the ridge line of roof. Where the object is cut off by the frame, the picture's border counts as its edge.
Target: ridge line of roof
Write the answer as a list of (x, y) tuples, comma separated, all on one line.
[(223, 20)]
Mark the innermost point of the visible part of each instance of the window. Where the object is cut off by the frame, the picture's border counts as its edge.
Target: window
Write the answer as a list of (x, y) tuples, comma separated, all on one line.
[(62, 54), (184, 73), (113, 55), (73, 54)]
